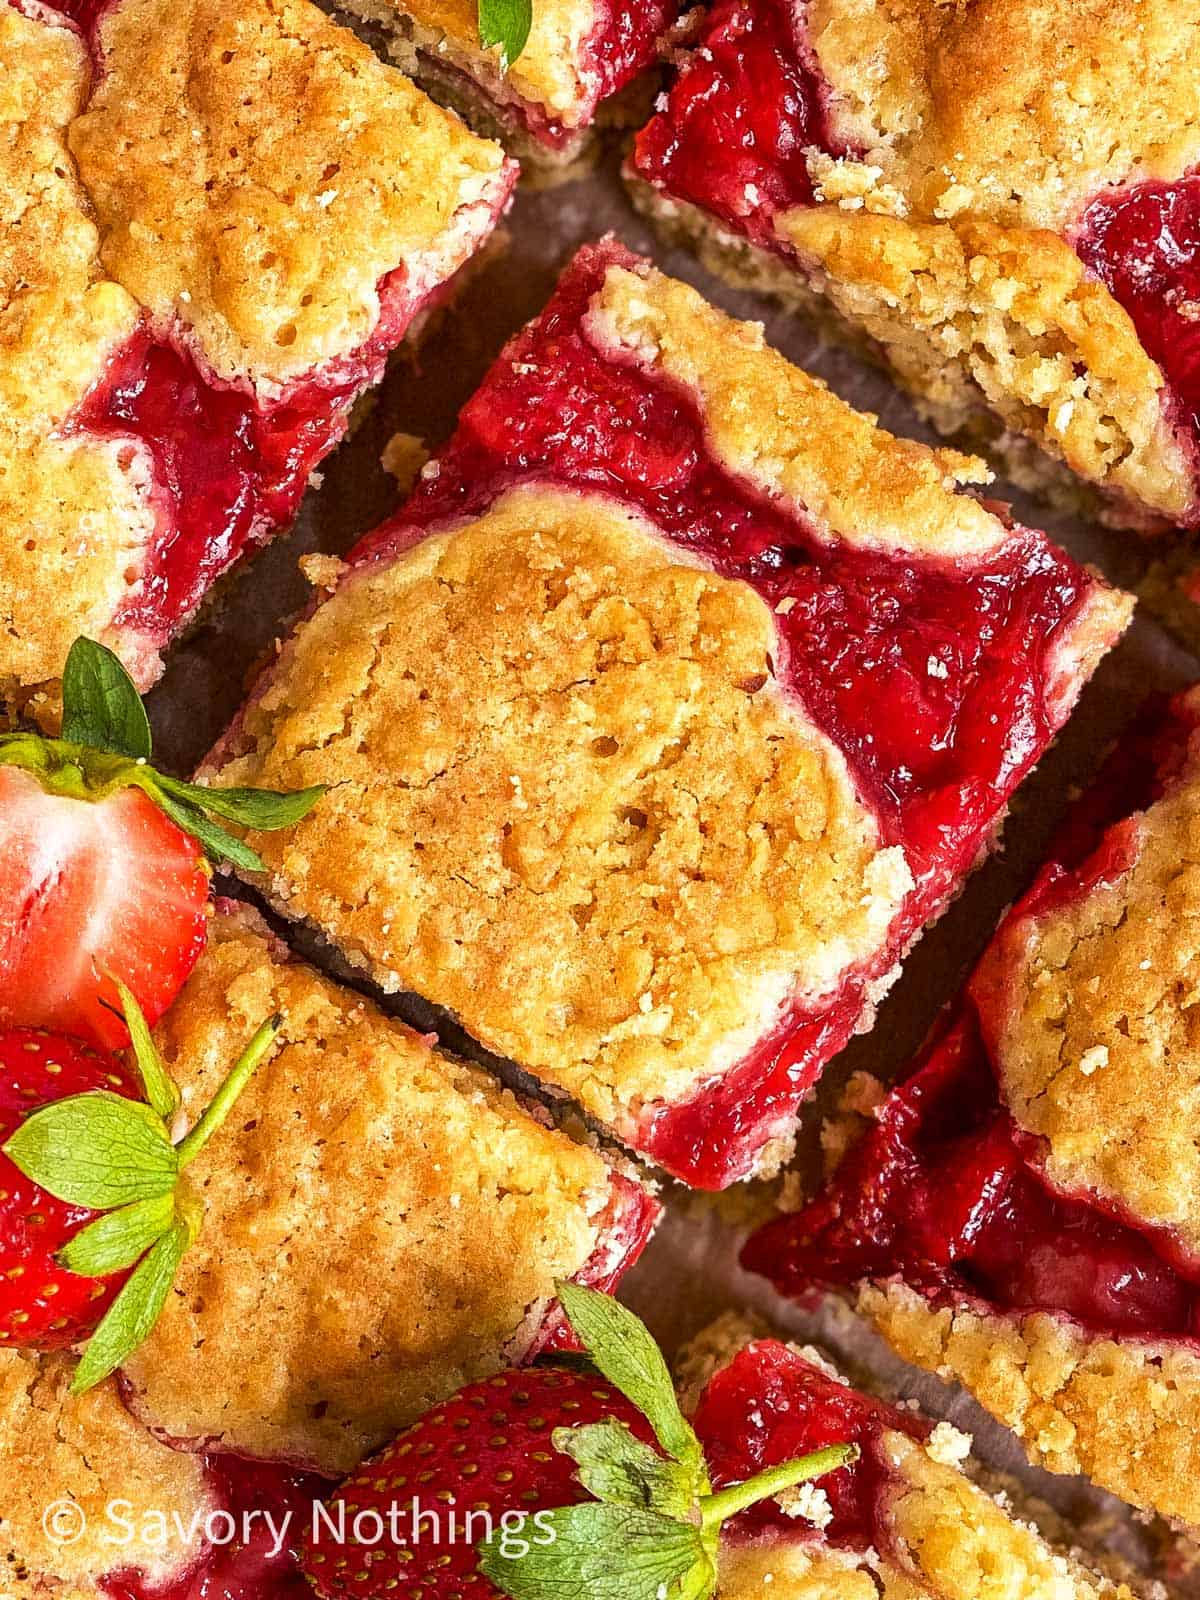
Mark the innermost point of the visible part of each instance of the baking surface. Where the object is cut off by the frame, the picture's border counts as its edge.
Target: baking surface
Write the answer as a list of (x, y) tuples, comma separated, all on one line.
[(689, 1272)]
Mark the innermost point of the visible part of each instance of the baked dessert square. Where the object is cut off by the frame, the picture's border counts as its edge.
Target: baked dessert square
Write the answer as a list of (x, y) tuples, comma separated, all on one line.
[(1021, 1214), (217, 222), (904, 1521), (383, 1223), (997, 199), (577, 71), (672, 705)]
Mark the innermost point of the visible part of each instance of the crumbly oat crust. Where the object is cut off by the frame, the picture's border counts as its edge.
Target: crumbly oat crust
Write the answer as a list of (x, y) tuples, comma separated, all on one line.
[(256, 172), (87, 1449), (1127, 1414), (246, 176), (569, 803), (383, 1223), (1089, 1013)]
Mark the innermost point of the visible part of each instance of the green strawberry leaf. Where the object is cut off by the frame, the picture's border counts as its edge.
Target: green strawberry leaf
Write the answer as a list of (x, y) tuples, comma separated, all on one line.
[(119, 1238), (506, 23), (160, 1089), (101, 707), (618, 1468), (218, 846), (134, 1312), (264, 809), (622, 1348), (97, 1149), (597, 1552)]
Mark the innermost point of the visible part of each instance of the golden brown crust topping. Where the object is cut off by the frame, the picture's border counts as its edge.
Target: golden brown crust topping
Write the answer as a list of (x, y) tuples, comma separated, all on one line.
[(382, 1225), (74, 517), (57, 1448), (786, 433), (256, 171), (1018, 110), (553, 71), (1007, 313), (569, 804), (1090, 1016), (1126, 1414)]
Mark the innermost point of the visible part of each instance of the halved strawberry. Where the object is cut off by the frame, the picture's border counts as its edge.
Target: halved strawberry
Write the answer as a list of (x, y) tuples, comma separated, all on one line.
[(41, 1303), (90, 889)]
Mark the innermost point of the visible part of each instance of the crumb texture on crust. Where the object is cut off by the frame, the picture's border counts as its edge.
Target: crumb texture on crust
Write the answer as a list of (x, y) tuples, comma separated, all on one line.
[(569, 804), (88, 1449), (552, 73), (382, 1224), (1126, 1414), (256, 172), (73, 509), (969, 309), (1020, 110), (785, 433), (1090, 1013)]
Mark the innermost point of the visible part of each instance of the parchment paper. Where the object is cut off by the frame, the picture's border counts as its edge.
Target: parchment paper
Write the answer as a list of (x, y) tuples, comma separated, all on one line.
[(690, 1273)]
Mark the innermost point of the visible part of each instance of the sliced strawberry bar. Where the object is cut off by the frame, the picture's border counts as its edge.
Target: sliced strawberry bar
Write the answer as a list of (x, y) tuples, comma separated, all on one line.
[(996, 198), (383, 1225), (217, 222), (579, 56), (902, 1520), (674, 703), (1023, 1213)]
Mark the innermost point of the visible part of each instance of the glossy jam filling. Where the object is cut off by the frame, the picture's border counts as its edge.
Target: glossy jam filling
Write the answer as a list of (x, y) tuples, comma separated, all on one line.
[(770, 1405), (931, 678), (1143, 243), (944, 1193), (738, 121)]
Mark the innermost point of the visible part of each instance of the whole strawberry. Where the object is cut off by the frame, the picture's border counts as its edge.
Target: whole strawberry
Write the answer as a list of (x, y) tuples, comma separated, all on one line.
[(95, 1214), (102, 859), (580, 1480)]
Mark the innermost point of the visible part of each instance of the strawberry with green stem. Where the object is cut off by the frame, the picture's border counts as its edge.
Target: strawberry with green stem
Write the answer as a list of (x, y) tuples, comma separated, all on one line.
[(95, 1210), (102, 859), (485, 1495)]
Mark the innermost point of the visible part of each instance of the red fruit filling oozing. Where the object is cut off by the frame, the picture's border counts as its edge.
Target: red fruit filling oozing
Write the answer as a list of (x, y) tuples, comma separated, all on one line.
[(769, 1406), (946, 1192), (936, 680), (750, 101)]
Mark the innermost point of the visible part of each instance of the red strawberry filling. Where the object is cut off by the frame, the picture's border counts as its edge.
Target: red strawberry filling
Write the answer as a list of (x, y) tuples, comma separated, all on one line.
[(946, 1193), (770, 1405), (936, 680)]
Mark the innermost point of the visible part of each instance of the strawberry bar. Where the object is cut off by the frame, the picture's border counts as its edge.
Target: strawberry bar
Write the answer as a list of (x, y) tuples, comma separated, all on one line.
[(997, 199), (661, 719), (904, 1519), (218, 222), (383, 1225), (580, 56), (1023, 1214)]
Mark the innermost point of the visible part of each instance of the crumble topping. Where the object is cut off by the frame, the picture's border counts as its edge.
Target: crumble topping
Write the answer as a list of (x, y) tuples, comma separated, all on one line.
[(569, 803), (1091, 1017), (1127, 1414), (786, 433), (971, 308), (256, 172), (54, 1447), (380, 1221), (1019, 110)]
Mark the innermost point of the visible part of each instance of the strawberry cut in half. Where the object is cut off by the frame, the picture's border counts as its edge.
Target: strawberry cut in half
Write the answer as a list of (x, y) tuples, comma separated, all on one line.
[(582, 1479), (103, 873)]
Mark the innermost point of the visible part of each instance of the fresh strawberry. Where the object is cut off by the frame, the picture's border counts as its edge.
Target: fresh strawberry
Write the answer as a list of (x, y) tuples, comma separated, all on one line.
[(584, 1481), (91, 890), (41, 1303), (95, 1213), (102, 859)]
